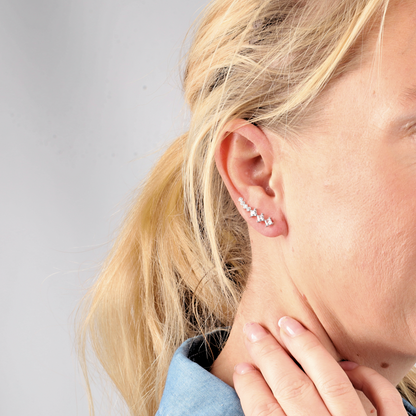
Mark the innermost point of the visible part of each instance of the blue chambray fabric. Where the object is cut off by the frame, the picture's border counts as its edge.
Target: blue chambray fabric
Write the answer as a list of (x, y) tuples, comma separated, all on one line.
[(411, 411), (192, 390)]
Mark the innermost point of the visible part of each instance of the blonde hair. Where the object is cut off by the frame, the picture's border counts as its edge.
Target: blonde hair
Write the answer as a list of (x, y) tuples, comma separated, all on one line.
[(182, 258)]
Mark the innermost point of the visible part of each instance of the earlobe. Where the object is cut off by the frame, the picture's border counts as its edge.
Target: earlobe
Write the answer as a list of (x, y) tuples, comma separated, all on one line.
[(245, 159)]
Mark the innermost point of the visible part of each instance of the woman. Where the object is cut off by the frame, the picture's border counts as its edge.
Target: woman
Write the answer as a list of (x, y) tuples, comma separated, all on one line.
[(292, 194)]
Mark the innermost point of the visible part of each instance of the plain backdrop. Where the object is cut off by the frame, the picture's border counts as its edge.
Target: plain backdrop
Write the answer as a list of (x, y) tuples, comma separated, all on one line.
[(89, 92)]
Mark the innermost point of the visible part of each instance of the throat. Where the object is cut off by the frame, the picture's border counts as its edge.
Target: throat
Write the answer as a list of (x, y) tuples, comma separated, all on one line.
[(233, 353)]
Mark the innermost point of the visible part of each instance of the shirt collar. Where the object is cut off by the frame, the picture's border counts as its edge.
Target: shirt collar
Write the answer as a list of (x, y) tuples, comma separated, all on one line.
[(192, 390)]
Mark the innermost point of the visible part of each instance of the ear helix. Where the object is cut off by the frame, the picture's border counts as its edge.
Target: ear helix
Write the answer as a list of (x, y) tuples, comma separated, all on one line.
[(253, 213)]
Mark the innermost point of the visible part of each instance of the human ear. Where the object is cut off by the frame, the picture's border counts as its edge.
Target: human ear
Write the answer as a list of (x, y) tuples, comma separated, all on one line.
[(246, 160)]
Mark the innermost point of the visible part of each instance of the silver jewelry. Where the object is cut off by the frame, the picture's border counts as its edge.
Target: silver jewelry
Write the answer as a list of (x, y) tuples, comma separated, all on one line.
[(260, 218), (253, 213)]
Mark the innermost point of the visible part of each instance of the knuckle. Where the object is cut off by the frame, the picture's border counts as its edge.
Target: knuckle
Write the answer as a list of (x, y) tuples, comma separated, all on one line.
[(268, 349), (266, 409), (335, 389), (311, 344), (293, 389), (372, 374)]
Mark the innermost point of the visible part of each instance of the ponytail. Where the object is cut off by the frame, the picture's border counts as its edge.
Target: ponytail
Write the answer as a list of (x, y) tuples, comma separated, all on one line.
[(153, 292)]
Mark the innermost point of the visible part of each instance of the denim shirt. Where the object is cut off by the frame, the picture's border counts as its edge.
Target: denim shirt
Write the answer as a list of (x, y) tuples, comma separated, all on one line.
[(192, 390)]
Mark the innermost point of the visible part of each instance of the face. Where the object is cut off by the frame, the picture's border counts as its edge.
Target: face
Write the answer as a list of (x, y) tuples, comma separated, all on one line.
[(350, 194)]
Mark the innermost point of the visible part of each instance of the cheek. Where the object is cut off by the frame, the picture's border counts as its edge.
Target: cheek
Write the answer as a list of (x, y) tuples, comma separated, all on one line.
[(353, 240)]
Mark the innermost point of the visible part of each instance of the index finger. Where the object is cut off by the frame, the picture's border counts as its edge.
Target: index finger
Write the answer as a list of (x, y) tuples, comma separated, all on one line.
[(330, 380), (292, 388)]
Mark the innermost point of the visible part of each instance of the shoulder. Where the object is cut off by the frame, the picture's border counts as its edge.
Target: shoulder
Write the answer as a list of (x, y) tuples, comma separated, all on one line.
[(190, 387)]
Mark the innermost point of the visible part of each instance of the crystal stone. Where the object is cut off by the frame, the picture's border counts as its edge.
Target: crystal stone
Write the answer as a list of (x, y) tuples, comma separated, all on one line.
[(260, 218)]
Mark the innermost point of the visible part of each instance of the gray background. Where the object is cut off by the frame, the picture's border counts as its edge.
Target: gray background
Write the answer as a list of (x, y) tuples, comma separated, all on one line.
[(88, 89)]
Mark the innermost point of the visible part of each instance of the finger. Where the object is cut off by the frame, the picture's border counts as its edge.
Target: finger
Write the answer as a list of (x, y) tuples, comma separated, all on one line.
[(332, 383), (292, 388), (384, 396), (255, 395)]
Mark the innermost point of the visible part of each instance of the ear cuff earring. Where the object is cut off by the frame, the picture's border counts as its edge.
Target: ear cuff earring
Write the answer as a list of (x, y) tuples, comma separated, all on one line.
[(253, 213)]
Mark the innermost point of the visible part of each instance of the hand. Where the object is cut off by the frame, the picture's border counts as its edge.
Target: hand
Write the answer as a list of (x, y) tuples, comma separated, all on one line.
[(278, 387)]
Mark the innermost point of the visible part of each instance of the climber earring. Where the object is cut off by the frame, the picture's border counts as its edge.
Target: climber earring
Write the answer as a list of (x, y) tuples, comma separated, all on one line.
[(253, 213)]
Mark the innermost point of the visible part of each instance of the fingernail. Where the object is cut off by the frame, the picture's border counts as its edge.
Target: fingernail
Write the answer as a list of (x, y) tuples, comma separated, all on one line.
[(290, 326), (243, 368), (254, 332), (348, 365)]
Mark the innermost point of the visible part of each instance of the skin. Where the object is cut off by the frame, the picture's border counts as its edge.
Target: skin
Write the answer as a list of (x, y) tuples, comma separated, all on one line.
[(277, 387), (341, 255)]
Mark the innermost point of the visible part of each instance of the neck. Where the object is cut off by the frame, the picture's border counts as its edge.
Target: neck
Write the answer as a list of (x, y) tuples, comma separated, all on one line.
[(271, 294), (260, 304)]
